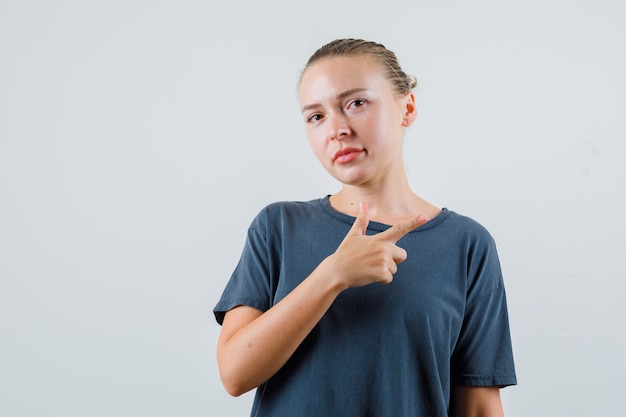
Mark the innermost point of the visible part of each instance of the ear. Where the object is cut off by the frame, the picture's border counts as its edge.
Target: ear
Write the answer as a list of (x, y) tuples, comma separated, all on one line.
[(409, 109)]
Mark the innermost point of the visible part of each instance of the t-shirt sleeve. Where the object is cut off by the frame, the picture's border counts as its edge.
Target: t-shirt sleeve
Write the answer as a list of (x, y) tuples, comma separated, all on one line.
[(483, 353), (249, 283)]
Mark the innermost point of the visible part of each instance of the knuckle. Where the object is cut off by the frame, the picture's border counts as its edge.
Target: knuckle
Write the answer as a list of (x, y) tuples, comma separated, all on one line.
[(400, 230)]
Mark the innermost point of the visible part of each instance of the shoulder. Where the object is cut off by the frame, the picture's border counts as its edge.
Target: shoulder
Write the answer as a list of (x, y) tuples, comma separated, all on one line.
[(457, 226), (464, 233), (290, 208), (478, 254), (283, 212), (468, 225)]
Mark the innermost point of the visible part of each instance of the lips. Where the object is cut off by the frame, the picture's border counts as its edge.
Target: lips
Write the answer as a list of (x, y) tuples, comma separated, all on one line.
[(346, 155)]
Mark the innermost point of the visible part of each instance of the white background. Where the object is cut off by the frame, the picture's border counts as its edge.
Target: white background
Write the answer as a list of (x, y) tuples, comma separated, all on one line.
[(139, 138)]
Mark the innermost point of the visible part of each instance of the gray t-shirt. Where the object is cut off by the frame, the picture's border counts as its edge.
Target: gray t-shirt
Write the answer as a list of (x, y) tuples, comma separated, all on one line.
[(380, 350)]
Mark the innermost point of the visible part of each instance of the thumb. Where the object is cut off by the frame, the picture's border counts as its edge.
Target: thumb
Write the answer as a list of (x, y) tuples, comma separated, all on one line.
[(359, 227)]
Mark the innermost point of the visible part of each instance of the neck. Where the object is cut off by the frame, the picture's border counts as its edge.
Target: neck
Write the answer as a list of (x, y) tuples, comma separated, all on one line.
[(389, 201)]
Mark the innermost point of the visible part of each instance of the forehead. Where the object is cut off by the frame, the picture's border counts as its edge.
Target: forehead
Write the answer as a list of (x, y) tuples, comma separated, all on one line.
[(333, 75)]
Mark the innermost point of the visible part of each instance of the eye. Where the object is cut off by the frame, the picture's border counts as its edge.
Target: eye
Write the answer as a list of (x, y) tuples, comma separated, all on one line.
[(314, 118), (356, 103)]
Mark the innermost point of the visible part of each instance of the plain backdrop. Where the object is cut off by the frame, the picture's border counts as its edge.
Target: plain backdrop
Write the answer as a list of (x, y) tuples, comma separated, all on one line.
[(138, 139)]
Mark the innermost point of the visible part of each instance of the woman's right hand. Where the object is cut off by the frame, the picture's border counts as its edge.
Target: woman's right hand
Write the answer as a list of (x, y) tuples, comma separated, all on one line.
[(363, 259)]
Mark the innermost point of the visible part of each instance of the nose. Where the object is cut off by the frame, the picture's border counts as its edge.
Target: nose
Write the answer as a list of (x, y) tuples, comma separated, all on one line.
[(337, 127)]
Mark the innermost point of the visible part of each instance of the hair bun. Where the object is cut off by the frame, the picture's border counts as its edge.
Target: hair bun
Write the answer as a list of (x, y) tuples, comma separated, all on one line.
[(411, 81)]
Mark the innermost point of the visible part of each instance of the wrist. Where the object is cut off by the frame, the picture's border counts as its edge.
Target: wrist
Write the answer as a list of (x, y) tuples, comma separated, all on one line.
[(326, 273)]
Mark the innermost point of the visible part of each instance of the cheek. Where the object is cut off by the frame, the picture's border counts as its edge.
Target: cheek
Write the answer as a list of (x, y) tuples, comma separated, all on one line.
[(390, 124)]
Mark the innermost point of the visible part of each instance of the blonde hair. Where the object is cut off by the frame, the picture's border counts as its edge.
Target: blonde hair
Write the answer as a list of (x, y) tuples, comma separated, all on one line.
[(402, 82)]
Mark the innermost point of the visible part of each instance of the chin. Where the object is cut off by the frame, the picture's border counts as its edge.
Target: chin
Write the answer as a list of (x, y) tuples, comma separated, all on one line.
[(347, 176), (351, 179)]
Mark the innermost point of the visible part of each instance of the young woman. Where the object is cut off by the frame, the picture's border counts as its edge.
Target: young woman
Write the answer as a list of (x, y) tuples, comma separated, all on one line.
[(305, 317)]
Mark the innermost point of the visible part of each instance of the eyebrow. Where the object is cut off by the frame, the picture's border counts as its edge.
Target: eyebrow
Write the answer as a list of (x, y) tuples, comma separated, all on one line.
[(340, 96)]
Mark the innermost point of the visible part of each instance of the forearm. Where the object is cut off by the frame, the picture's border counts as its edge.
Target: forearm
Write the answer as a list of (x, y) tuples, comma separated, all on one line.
[(476, 402), (256, 350)]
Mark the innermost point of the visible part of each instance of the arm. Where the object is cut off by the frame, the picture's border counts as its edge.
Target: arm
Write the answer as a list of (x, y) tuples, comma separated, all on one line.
[(253, 345), (476, 402)]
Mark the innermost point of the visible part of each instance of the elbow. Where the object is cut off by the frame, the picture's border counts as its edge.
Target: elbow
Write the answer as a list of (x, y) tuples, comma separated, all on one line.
[(238, 376), (234, 391), (233, 380), (234, 387)]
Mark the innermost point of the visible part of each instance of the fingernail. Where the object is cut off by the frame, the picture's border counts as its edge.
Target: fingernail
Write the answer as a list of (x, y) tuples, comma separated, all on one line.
[(422, 218)]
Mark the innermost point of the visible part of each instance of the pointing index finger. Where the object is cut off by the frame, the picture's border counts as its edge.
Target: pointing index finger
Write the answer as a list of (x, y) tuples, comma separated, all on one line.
[(395, 232)]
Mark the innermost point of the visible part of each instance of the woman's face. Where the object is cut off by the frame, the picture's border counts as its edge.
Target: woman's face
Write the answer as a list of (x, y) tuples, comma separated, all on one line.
[(354, 119)]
